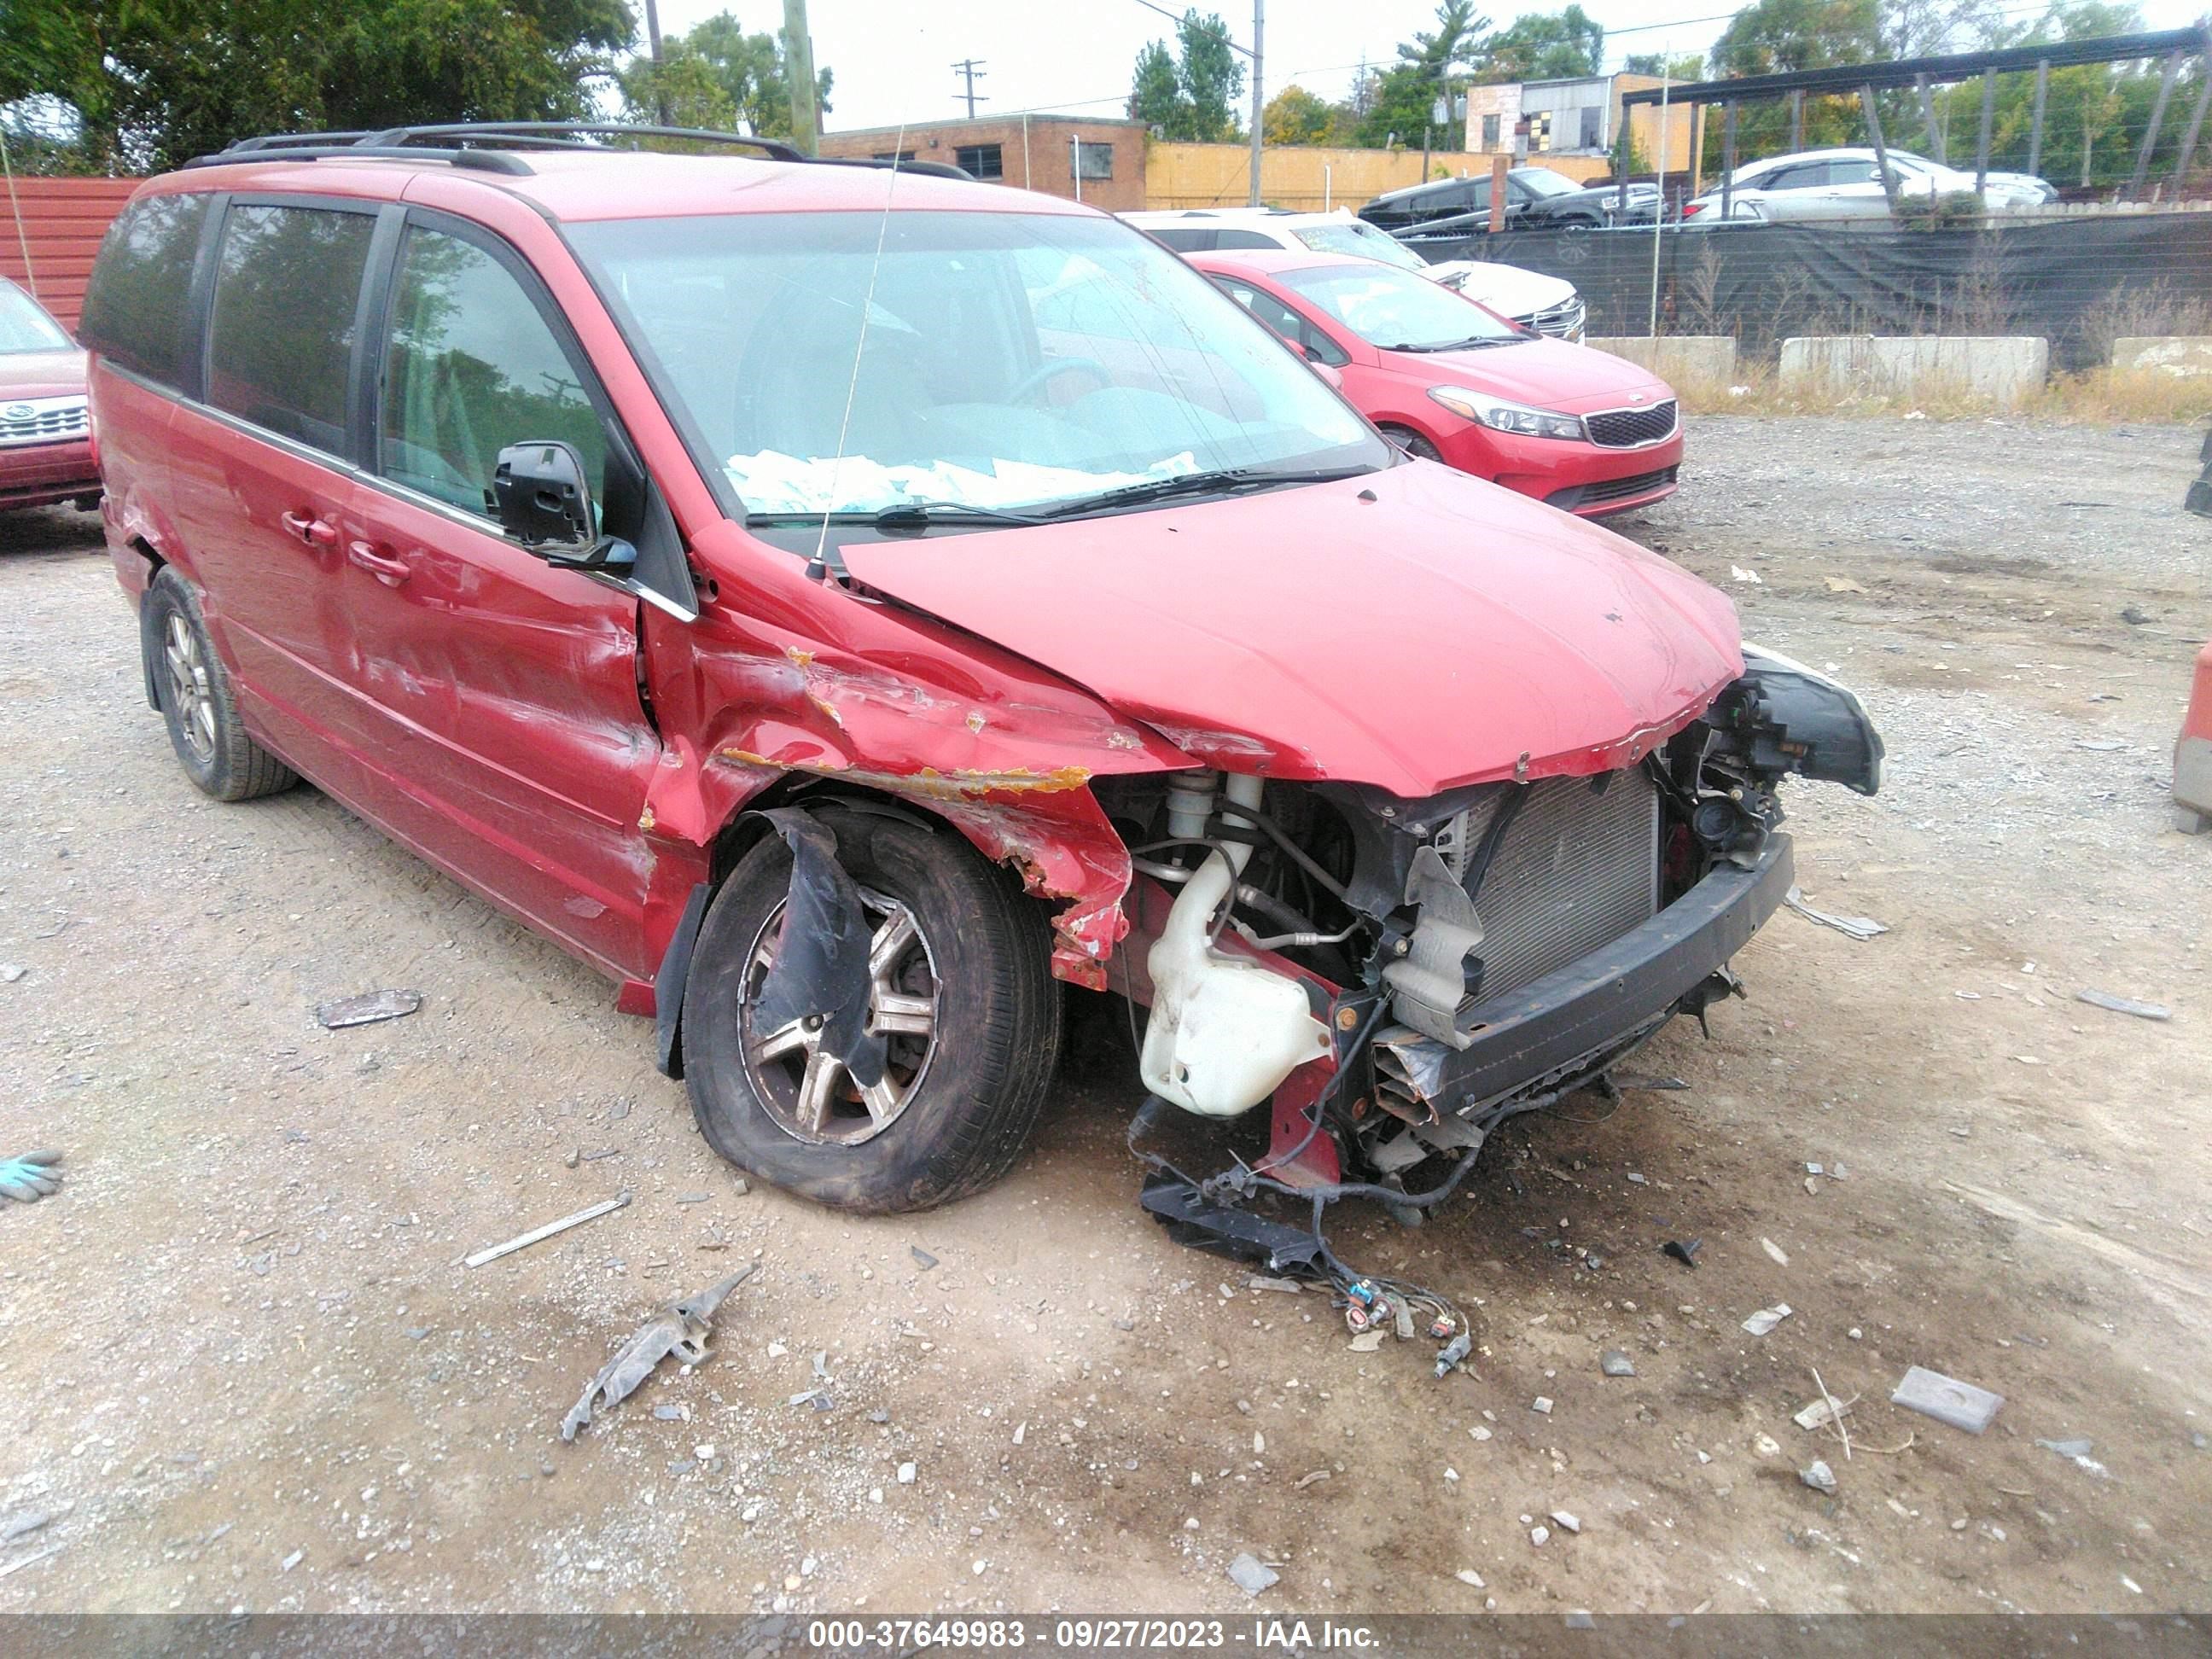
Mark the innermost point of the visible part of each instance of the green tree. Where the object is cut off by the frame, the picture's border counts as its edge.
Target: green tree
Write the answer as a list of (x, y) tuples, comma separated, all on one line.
[(1404, 94), (1546, 46), (1206, 78), (1689, 67), (1295, 116), (153, 82), (719, 76), (1776, 36)]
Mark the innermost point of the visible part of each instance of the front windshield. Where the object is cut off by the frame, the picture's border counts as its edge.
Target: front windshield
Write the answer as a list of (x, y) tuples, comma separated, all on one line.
[(1397, 310), (1542, 181), (24, 326), (851, 362), (1355, 236)]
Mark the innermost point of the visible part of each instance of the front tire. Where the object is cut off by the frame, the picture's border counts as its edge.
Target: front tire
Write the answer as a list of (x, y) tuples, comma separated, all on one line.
[(198, 701), (962, 990), (1412, 442)]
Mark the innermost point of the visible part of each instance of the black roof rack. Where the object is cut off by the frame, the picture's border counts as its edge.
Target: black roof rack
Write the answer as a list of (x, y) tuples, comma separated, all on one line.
[(487, 146)]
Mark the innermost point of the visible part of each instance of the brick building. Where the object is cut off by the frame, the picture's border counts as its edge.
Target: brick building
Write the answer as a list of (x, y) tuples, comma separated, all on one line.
[(1031, 152)]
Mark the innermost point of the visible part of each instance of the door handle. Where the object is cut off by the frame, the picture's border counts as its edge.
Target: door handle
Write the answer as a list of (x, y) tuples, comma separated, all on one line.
[(389, 571), (314, 531)]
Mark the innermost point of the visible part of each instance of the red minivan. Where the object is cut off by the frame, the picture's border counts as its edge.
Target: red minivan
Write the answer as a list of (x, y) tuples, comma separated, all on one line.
[(838, 602), (1450, 381)]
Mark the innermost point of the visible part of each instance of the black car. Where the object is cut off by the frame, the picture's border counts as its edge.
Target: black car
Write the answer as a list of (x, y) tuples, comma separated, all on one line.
[(1536, 199)]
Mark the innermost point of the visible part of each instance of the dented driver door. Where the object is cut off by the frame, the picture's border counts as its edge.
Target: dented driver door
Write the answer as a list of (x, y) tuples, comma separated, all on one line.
[(518, 747)]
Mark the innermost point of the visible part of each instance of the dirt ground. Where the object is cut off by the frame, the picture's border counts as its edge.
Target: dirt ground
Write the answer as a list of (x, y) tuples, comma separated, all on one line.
[(246, 1368)]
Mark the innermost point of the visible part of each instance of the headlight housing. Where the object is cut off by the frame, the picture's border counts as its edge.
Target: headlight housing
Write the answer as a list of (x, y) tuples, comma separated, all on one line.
[(1502, 416)]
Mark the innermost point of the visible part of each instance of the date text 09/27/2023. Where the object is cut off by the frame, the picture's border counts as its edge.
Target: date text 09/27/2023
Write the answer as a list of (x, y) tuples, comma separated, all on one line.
[(1090, 1635)]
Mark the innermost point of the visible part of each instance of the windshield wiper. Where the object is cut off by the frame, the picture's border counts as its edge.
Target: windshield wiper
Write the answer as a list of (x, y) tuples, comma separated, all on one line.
[(1218, 481), (1471, 342), (902, 516)]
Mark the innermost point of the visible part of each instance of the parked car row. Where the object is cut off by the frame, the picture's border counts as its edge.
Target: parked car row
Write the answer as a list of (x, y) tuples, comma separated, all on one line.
[(1846, 184), (837, 604)]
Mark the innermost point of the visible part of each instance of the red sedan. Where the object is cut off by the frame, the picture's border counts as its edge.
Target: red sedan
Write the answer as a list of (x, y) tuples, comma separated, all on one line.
[(1448, 381), (46, 442)]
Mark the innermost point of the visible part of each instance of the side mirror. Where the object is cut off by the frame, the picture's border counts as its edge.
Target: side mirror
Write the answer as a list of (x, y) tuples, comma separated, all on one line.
[(541, 498)]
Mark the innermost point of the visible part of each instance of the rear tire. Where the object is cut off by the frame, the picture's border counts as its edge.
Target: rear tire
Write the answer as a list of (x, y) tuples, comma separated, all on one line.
[(198, 701), (967, 1095)]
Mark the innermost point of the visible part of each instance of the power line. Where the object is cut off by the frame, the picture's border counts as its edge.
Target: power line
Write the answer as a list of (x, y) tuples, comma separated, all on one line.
[(971, 69)]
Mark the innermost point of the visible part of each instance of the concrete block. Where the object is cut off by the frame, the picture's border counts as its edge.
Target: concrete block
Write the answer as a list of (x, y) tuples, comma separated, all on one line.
[(2002, 368), (1703, 357), (2170, 353)]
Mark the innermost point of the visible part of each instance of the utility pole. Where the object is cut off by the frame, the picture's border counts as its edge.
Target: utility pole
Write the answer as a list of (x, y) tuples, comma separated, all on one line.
[(1259, 100), (970, 68), (799, 66), (653, 45)]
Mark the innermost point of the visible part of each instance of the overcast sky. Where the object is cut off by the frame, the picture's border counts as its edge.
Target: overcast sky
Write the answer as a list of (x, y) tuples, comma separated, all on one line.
[(893, 58)]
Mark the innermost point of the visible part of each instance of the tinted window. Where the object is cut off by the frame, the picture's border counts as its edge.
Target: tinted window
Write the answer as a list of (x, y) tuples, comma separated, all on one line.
[(281, 332), (1245, 239), (1182, 241), (473, 367), (134, 309)]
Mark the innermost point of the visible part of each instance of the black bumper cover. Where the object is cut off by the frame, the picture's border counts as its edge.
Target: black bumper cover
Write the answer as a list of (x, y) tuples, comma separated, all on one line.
[(1586, 1007)]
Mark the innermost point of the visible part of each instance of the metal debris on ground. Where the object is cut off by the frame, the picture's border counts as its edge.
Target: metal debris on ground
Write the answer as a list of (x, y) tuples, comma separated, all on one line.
[(1541, 1404), (537, 1234), (1614, 1362), (29, 1176), (1454, 1354), (1947, 1400), (1261, 1282), (1821, 1477), (1251, 1576), (1684, 1250), (1767, 1318), (2112, 1004), (1858, 927), (367, 1009), (1820, 1413), (680, 1329), (923, 1258)]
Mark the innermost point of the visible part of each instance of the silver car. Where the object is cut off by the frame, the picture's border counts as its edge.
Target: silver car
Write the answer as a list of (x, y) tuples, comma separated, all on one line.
[(1845, 184)]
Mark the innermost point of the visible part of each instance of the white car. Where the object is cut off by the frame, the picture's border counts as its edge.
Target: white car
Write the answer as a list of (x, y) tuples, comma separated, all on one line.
[(1845, 184), (1546, 304)]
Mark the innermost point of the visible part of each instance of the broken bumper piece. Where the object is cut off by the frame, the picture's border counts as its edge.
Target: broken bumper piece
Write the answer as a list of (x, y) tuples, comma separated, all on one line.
[(1575, 1018)]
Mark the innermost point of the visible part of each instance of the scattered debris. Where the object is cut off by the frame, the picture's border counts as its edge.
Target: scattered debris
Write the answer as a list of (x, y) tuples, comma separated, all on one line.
[(2068, 1448), (1313, 1479), (1453, 1354), (1261, 1282), (1251, 1576), (691, 1198), (537, 1234), (1631, 1080), (906, 1473), (1565, 1521), (1469, 1575), (1767, 1318), (1947, 1400), (11, 971), (1858, 927), (1537, 1535), (923, 1257), (1752, 577), (29, 1521), (1821, 1477), (1480, 1431), (1366, 1342), (1844, 585), (1614, 1362), (1835, 1412), (1780, 1256), (291, 1560), (1684, 1250), (2112, 1004), (29, 1176), (368, 1009), (1820, 1414), (1021, 1432), (1766, 1445), (1540, 1404), (680, 1329)]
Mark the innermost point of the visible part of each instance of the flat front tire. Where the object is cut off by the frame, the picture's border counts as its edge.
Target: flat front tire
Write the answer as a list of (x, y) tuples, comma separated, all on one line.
[(961, 991), (198, 701)]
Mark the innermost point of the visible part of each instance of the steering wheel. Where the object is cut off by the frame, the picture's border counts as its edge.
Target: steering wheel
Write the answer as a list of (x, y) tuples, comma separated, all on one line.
[(1051, 369)]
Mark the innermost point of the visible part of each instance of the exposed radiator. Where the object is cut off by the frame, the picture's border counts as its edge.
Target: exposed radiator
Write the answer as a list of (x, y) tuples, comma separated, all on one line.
[(1577, 868)]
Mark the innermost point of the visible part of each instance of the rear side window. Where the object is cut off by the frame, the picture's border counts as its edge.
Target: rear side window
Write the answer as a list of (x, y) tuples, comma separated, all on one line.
[(1183, 241), (280, 334), (472, 366), (1232, 240), (136, 305)]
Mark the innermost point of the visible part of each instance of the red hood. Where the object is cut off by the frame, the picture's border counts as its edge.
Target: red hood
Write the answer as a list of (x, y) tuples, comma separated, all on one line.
[(40, 374), (1545, 374), (1446, 632)]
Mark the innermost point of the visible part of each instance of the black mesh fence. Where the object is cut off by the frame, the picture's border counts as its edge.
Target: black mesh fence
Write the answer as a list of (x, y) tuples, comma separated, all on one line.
[(2080, 281)]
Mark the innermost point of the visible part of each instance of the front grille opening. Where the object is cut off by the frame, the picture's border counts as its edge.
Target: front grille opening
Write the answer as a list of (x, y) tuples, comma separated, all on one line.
[(1612, 489), (1624, 428)]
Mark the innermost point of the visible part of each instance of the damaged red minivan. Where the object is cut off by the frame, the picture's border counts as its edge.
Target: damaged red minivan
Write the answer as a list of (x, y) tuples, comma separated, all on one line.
[(838, 601)]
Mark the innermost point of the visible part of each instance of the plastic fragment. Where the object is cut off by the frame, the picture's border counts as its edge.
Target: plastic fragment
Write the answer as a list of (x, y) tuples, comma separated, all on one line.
[(1947, 1400)]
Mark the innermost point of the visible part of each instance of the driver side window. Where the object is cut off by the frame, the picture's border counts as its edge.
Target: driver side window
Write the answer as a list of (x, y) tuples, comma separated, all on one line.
[(471, 366), (1302, 334)]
